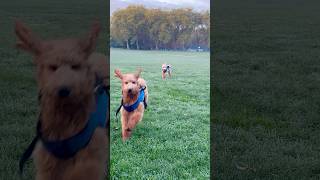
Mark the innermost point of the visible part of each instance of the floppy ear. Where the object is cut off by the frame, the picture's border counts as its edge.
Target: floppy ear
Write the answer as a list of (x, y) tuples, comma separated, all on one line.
[(26, 39), (89, 43), (137, 74), (118, 73)]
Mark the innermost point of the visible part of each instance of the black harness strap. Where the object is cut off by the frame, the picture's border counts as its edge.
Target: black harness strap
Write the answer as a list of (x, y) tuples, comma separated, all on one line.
[(26, 155), (144, 99), (145, 103), (118, 110), (28, 152)]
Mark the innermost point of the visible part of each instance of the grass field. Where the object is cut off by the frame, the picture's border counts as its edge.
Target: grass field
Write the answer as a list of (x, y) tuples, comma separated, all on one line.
[(172, 141), (266, 89), (18, 102)]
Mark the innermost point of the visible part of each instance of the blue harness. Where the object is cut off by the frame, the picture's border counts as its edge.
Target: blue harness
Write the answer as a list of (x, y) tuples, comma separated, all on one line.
[(67, 148), (135, 105)]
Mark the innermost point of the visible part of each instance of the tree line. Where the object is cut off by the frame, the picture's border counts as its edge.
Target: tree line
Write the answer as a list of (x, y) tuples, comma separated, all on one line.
[(137, 27)]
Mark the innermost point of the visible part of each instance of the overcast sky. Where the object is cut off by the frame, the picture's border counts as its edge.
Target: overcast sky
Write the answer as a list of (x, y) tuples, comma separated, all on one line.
[(197, 5)]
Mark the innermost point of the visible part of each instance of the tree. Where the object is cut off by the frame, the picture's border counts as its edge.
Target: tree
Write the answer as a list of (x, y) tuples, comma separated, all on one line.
[(141, 28), (200, 34), (120, 31), (165, 35), (156, 20), (136, 23), (180, 21)]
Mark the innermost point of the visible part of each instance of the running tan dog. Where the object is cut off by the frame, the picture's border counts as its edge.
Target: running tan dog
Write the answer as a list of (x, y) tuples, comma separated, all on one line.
[(166, 68), (73, 104), (134, 100)]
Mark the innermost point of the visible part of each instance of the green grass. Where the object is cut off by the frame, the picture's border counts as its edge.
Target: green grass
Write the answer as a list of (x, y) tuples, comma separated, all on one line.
[(18, 102), (172, 140), (266, 89)]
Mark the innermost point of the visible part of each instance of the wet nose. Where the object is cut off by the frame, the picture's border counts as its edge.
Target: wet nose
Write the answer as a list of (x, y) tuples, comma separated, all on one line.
[(64, 92), (129, 90)]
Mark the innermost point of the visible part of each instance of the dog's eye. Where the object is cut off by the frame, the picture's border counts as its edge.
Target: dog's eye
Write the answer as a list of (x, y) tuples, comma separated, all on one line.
[(76, 67), (126, 82), (53, 67), (133, 82)]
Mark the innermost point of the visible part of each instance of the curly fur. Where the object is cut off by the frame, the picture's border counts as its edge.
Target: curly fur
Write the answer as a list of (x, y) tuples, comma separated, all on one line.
[(70, 64), (131, 85)]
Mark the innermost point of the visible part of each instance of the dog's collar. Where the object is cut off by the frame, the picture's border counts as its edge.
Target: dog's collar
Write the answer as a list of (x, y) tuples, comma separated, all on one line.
[(67, 148)]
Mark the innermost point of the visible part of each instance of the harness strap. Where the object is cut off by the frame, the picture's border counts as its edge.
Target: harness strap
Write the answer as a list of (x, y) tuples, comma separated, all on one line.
[(119, 108), (144, 99), (28, 152), (145, 104)]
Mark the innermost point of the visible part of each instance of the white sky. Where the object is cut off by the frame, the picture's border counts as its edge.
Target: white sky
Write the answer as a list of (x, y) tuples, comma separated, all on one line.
[(195, 4), (178, 2)]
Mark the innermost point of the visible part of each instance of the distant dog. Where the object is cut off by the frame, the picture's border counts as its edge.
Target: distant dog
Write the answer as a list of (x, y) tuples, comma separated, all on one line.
[(134, 101), (166, 68), (72, 137)]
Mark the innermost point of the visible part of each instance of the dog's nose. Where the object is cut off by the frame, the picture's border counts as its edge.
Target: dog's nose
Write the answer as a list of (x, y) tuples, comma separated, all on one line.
[(64, 92), (129, 90)]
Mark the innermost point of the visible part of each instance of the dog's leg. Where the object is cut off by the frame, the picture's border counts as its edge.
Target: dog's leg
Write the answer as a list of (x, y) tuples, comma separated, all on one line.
[(135, 119), (84, 171), (126, 132)]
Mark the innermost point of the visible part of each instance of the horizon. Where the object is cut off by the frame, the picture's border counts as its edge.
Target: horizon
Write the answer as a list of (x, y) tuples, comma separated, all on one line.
[(200, 5)]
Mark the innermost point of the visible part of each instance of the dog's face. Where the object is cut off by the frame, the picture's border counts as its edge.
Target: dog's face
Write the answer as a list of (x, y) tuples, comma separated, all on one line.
[(63, 70), (129, 83)]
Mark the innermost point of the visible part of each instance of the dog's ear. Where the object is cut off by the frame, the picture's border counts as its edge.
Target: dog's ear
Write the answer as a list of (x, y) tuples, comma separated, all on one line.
[(137, 74), (26, 39), (118, 73), (89, 43)]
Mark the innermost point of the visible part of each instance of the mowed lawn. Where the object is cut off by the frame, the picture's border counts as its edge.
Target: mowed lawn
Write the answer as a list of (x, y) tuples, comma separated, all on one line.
[(172, 140), (266, 81), (18, 101)]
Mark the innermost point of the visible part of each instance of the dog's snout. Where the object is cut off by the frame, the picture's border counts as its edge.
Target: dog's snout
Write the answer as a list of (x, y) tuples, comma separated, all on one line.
[(64, 92), (130, 90)]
